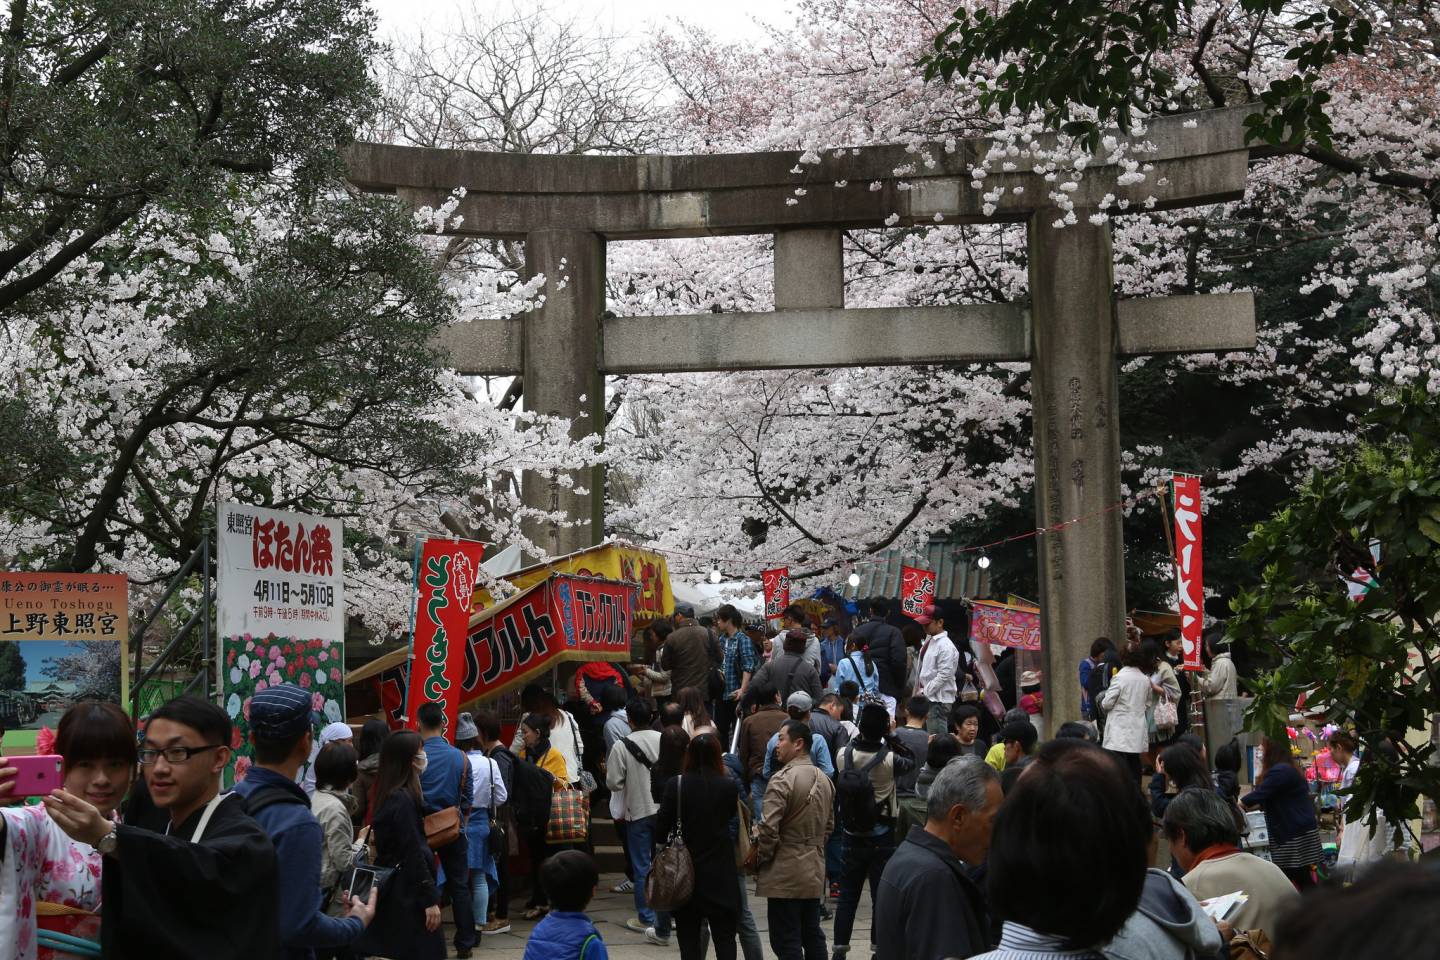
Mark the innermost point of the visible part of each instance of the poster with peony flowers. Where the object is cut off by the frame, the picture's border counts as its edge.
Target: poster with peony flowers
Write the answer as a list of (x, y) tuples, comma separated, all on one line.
[(249, 665), (280, 608)]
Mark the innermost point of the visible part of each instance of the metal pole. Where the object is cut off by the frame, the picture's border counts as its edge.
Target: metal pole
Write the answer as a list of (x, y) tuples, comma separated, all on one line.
[(206, 637)]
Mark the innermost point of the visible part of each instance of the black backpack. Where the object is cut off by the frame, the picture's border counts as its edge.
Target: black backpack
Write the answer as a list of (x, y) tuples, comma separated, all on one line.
[(859, 813)]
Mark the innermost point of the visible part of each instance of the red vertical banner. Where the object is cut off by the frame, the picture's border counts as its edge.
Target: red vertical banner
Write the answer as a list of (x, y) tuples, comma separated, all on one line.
[(445, 590), (1189, 569), (917, 590), (777, 591)]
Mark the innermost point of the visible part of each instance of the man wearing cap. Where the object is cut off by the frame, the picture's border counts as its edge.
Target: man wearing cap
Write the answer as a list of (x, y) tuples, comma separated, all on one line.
[(446, 782), (935, 679), (281, 735), (798, 706)]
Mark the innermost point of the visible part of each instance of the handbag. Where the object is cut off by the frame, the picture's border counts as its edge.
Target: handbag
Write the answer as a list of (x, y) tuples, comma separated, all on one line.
[(1167, 715), (363, 861), (499, 842), (585, 780), (442, 828), (743, 840), (569, 817), (671, 882)]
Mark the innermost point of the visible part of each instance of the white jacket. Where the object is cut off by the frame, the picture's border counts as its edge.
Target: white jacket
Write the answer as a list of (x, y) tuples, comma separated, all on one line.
[(1126, 703), (935, 680), (1221, 682)]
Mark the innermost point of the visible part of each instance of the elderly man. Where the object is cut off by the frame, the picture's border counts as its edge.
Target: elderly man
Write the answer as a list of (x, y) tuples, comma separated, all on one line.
[(927, 906), (1205, 841)]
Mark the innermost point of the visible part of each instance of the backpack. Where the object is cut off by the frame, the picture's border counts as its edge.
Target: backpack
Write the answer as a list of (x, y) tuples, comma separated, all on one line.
[(859, 813)]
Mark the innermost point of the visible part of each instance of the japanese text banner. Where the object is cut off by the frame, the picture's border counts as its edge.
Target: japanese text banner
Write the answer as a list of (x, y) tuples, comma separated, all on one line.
[(1189, 579), (1007, 626), (445, 589), (557, 620), (917, 590), (776, 584), (281, 574)]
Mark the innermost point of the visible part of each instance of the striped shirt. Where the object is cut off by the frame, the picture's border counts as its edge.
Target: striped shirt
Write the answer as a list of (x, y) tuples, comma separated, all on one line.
[(1019, 942)]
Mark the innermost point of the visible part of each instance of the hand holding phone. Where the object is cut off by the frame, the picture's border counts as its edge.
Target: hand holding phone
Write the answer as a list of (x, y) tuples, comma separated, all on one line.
[(34, 776)]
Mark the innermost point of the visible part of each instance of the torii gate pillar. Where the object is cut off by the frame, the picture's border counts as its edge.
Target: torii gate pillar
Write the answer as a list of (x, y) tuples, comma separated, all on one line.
[(1075, 399), (561, 367)]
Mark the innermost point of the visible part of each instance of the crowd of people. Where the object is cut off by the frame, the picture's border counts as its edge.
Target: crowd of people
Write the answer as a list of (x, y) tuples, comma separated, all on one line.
[(802, 769)]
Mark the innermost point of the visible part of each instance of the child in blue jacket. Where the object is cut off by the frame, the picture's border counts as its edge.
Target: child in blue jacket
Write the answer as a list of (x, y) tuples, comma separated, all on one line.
[(567, 933)]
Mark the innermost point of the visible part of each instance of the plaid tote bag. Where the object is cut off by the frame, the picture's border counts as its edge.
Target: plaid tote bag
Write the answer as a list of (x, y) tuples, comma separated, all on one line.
[(569, 817)]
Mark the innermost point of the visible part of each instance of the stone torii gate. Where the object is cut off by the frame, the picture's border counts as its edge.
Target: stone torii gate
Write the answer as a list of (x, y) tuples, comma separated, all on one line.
[(565, 209)]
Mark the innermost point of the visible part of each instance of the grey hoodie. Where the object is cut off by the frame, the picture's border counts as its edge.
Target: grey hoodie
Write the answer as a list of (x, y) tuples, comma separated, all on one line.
[(1167, 925)]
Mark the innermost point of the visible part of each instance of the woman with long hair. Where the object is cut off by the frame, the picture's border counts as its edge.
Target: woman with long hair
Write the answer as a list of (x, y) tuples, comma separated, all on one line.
[(702, 802), (1281, 791), (367, 746), (857, 665), (697, 718), (407, 919), (41, 864)]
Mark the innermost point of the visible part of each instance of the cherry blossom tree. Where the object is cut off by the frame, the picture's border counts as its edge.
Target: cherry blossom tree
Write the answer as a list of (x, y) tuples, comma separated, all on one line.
[(1341, 256)]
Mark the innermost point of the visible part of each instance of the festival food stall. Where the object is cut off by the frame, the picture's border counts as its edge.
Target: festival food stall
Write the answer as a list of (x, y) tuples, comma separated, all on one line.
[(583, 607)]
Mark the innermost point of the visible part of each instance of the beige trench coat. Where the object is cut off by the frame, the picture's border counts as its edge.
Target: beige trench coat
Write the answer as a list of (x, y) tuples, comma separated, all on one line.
[(798, 813)]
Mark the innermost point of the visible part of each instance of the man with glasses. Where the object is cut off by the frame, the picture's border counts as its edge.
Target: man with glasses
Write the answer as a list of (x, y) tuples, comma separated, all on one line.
[(189, 873), (281, 733)]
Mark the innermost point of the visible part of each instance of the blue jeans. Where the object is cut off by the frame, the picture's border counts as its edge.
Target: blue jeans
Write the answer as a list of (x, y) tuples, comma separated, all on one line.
[(937, 721), (865, 859), (641, 836), (757, 797), (480, 896), (455, 859)]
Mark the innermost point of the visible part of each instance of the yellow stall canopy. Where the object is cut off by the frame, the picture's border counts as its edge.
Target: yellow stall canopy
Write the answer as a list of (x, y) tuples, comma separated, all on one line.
[(608, 561)]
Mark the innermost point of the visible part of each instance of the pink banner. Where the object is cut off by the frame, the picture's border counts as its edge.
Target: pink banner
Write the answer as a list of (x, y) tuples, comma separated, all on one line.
[(1017, 627)]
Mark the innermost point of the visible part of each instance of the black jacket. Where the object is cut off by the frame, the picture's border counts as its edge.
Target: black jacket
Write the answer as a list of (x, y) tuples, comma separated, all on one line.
[(927, 907), (887, 649)]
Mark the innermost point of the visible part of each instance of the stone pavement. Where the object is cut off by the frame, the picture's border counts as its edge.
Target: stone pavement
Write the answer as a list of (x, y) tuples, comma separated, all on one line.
[(611, 910)]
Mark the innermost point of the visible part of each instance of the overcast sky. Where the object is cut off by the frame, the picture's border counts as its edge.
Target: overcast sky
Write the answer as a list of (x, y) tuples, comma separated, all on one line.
[(730, 19)]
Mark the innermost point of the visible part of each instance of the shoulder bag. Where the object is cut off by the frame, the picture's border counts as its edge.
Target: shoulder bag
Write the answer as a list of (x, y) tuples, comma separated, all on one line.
[(499, 842), (743, 841), (671, 882), (443, 827), (585, 780)]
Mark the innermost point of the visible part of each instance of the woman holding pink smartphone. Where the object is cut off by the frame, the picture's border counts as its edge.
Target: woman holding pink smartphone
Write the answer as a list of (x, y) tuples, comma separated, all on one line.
[(38, 862)]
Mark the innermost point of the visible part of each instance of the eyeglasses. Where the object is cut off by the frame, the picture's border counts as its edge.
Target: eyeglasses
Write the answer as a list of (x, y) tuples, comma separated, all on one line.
[(175, 754)]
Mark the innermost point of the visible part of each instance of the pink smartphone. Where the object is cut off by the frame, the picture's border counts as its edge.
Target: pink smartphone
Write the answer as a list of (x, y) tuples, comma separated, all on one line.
[(35, 776)]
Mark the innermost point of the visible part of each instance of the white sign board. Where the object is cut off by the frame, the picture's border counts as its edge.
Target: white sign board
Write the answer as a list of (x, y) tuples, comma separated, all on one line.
[(280, 573)]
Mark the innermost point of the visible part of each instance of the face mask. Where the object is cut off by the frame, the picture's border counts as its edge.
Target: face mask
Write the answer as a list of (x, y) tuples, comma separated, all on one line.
[(421, 761)]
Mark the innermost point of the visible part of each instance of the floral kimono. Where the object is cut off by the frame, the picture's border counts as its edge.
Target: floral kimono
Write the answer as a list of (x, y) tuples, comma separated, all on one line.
[(43, 871)]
